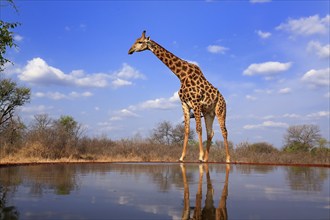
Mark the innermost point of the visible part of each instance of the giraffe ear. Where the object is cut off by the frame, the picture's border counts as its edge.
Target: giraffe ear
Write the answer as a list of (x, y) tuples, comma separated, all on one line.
[(148, 38)]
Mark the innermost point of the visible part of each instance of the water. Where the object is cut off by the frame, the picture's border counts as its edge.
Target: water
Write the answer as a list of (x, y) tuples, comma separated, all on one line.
[(163, 191)]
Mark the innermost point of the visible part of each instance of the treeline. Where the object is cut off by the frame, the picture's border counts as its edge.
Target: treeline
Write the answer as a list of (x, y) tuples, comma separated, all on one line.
[(47, 139)]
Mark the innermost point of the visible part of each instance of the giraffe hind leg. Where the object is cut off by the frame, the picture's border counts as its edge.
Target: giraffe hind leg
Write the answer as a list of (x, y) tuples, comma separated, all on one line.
[(221, 115)]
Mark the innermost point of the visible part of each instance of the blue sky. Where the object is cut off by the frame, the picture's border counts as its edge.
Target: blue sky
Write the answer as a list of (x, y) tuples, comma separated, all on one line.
[(270, 60)]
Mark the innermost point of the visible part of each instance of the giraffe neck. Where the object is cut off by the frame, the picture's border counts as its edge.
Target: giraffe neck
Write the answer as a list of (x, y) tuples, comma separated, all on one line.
[(174, 63)]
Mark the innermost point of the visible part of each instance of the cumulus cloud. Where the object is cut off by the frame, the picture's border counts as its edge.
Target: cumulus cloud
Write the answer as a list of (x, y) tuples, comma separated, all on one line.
[(120, 82), (37, 71), (306, 25), (265, 91), (263, 35), (192, 62), (323, 51), (37, 109), (284, 91), (128, 72), (161, 103), (267, 68), (59, 96), (320, 114), (267, 124), (18, 37), (123, 113), (217, 49), (292, 115), (317, 77), (250, 97)]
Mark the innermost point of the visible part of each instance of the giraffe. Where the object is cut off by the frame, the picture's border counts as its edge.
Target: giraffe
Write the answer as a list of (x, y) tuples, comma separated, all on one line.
[(196, 93), (209, 211)]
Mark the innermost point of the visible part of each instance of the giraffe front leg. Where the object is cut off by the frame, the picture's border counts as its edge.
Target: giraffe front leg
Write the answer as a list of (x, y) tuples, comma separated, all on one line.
[(197, 114), (209, 130), (186, 113)]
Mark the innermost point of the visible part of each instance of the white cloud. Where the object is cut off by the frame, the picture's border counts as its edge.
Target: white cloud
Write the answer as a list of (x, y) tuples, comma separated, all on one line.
[(10, 68), (250, 97), (266, 91), (284, 91), (317, 77), (120, 82), (123, 113), (128, 72), (193, 62), (83, 27), (18, 37), (263, 35), (217, 49), (320, 114), (259, 1), (58, 95), (37, 71), (50, 95), (306, 25), (36, 109), (267, 68), (323, 51), (107, 126), (161, 103), (267, 124), (99, 80), (287, 115)]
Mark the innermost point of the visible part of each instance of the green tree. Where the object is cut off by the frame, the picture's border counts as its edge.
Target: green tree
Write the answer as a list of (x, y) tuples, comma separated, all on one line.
[(301, 138), (167, 134), (6, 34), (178, 134), (11, 97), (162, 133), (66, 134)]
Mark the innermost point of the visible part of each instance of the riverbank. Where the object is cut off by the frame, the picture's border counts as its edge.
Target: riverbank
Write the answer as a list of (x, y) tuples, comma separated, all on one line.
[(132, 151), (29, 161)]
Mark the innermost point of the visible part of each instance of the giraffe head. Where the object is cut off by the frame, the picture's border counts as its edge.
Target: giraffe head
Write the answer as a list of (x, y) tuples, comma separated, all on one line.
[(140, 44)]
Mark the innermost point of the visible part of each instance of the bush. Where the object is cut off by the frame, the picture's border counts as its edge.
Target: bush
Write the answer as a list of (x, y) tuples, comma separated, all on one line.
[(260, 147)]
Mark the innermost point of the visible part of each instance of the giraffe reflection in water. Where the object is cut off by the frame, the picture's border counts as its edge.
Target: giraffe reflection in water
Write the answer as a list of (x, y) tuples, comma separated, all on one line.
[(209, 211)]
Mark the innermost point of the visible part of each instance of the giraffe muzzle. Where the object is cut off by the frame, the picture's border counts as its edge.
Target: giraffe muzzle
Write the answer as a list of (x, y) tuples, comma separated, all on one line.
[(131, 51)]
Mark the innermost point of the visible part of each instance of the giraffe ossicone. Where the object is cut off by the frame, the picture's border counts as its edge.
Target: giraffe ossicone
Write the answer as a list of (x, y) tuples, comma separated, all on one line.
[(196, 93)]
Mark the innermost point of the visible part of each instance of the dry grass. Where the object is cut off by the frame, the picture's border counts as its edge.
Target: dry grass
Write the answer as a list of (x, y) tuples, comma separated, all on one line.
[(94, 150)]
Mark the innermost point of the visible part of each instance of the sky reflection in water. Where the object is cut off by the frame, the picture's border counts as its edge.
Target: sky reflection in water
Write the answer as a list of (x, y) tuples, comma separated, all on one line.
[(163, 191)]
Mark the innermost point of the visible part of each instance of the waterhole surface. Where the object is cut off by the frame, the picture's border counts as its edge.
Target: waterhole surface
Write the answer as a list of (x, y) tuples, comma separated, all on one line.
[(163, 191)]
